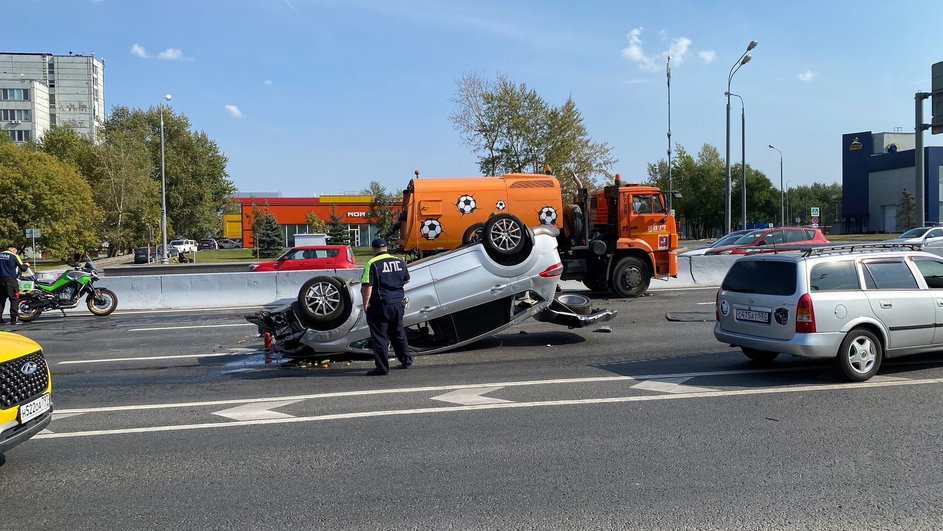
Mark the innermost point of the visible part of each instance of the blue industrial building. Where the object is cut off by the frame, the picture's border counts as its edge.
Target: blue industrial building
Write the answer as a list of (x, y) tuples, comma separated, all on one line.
[(876, 169)]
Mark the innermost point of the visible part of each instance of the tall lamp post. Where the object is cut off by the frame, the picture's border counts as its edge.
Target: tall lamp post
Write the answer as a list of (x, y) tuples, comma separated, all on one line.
[(788, 212), (668, 75), (743, 156), (782, 208), (163, 185), (744, 59)]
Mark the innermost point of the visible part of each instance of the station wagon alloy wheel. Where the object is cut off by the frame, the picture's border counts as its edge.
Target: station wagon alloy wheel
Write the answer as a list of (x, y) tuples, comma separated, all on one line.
[(860, 355), (324, 302), (506, 234), (323, 298)]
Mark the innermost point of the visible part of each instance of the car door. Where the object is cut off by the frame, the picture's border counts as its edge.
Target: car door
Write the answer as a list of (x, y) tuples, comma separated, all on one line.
[(897, 301), (933, 238), (293, 260), (932, 272)]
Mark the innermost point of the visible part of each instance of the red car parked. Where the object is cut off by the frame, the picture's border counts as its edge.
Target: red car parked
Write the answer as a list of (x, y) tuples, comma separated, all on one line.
[(310, 257), (771, 238)]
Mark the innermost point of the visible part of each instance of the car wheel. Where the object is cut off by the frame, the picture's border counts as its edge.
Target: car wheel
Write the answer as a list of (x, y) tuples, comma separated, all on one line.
[(324, 302), (506, 239), (473, 233), (630, 277), (860, 355), (759, 356), (578, 304)]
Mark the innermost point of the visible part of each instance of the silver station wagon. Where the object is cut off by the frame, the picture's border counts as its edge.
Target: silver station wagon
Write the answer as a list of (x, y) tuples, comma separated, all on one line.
[(858, 303), (455, 298)]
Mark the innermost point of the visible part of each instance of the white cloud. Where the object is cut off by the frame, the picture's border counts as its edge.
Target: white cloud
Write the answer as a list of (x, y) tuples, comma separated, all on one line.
[(171, 54), (233, 111), (267, 82), (708, 56), (678, 51), (139, 51), (808, 75)]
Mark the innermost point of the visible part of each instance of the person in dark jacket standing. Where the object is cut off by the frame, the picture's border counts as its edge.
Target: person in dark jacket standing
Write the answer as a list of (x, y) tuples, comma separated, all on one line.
[(382, 291), (10, 267)]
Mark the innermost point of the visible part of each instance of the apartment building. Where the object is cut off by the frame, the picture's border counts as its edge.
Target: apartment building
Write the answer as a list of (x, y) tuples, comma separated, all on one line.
[(41, 90)]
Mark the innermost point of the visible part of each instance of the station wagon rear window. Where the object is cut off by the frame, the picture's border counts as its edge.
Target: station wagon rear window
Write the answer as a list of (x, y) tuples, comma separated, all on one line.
[(834, 276), (765, 277)]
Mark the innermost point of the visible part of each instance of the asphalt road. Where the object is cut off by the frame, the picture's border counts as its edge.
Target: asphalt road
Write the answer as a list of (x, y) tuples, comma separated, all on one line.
[(174, 420)]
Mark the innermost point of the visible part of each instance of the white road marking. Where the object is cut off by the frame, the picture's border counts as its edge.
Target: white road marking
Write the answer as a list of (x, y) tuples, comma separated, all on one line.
[(670, 385), (508, 405), (257, 411), (188, 327), (711, 303), (56, 416), (149, 358), (470, 397)]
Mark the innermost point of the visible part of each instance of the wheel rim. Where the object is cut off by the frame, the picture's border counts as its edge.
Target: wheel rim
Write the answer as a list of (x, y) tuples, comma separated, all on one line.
[(101, 301), (323, 299), (506, 234), (631, 277), (862, 354)]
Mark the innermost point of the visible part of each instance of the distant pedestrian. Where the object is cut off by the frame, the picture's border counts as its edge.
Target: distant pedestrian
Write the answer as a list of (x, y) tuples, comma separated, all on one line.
[(10, 267), (383, 299)]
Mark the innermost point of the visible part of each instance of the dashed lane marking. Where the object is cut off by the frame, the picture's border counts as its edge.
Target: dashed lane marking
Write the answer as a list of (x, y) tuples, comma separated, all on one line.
[(470, 397), (190, 327), (670, 385), (257, 411), (150, 358)]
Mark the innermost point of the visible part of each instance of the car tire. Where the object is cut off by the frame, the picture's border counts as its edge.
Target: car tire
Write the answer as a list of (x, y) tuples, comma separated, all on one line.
[(860, 355), (630, 278), (759, 356), (578, 304), (507, 240), (324, 303), (473, 234)]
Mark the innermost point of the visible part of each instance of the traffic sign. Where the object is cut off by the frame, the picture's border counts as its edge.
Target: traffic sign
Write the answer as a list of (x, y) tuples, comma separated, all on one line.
[(814, 212), (33, 233), (815, 221)]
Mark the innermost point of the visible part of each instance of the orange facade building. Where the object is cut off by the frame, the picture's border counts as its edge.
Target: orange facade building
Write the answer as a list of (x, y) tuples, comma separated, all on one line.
[(292, 214)]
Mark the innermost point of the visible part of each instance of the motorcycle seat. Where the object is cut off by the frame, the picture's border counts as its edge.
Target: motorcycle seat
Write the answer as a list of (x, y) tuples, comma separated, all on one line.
[(44, 282)]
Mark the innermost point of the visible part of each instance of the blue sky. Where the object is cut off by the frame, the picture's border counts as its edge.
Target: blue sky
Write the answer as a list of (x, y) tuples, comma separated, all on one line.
[(311, 97)]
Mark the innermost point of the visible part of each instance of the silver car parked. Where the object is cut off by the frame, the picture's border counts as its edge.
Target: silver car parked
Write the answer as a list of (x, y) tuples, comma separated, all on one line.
[(454, 298), (859, 303)]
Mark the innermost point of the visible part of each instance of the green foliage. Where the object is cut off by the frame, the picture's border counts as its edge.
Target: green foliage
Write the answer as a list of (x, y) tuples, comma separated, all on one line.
[(267, 234), (316, 225), (514, 130), (337, 233), (381, 209), (906, 211), (37, 190)]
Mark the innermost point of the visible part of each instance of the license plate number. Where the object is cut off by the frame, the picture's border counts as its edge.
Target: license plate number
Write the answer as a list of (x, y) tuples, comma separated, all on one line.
[(753, 316), (34, 409)]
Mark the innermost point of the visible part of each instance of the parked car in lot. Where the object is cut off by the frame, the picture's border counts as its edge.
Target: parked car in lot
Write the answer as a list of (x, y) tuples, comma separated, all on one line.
[(859, 304), (209, 244), (770, 239), (25, 403), (226, 243), (310, 257), (144, 255), (182, 246), (923, 236), (719, 242), (454, 298)]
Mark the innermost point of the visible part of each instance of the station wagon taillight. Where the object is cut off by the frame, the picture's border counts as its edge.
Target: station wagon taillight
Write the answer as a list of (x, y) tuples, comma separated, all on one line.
[(553, 271), (805, 315), (717, 306)]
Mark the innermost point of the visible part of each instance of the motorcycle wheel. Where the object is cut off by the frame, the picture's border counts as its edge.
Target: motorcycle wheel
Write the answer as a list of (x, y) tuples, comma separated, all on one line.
[(102, 302), (27, 314)]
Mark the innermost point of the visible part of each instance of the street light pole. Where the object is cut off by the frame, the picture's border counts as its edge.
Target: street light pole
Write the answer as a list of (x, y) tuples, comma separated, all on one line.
[(163, 185), (668, 74), (744, 59), (788, 212), (743, 158), (782, 208)]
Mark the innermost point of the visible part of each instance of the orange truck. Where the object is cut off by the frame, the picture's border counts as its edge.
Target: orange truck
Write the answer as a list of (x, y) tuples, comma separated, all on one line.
[(616, 238)]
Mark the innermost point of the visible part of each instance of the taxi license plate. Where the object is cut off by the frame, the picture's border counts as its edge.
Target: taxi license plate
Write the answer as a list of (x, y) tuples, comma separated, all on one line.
[(34, 409), (753, 316)]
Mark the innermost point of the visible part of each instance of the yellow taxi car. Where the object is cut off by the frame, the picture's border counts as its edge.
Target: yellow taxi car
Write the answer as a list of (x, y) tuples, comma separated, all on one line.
[(25, 390)]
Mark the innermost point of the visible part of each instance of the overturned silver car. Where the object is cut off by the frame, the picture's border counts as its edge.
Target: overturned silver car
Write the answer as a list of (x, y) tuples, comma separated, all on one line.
[(454, 298)]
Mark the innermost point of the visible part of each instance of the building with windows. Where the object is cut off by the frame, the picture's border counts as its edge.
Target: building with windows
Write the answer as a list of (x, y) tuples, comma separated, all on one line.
[(876, 169), (41, 90), (292, 213)]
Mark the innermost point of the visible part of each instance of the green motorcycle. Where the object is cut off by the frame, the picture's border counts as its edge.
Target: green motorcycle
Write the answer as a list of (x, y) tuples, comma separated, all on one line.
[(64, 292)]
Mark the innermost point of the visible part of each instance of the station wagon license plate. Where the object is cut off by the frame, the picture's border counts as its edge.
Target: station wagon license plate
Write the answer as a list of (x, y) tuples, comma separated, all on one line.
[(34, 409), (753, 316)]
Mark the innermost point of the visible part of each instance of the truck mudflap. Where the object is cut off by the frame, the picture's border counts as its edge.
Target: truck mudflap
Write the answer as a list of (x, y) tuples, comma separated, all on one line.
[(561, 314)]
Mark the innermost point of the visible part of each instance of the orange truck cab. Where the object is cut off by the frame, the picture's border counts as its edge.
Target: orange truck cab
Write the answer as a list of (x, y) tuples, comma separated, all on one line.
[(445, 213)]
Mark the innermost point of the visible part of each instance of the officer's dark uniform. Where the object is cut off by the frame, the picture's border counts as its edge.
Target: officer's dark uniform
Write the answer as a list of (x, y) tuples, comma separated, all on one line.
[(386, 275), (10, 267)]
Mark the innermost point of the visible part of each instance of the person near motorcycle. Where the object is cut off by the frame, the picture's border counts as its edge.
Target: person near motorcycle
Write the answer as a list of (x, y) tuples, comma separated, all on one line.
[(10, 267)]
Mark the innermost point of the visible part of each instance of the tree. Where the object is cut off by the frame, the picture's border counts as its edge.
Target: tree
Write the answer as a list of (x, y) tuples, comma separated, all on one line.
[(906, 211), (267, 234), (37, 190), (316, 225), (337, 233), (514, 130), (381, 209), (699, 211)]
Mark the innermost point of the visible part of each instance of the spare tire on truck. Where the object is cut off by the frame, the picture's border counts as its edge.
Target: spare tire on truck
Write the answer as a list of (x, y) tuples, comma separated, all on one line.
[(324, 303), (507, 240)]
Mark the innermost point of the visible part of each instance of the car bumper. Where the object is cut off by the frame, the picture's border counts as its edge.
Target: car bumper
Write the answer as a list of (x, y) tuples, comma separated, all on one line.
[(17, 434), (821, 345), (558, 313)]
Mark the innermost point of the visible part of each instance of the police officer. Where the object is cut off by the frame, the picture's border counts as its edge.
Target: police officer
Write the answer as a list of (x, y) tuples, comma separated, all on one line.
[(10, 267), (382, 292)]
